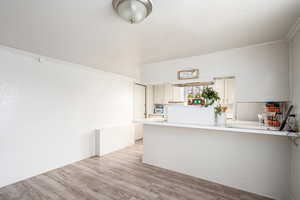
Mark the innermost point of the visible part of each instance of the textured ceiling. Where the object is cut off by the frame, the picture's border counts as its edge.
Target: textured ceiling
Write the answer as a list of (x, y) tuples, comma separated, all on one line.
[(89, 32)]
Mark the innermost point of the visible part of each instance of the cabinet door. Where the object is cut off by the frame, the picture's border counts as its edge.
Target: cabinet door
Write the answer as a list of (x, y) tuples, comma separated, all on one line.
[(155, 94), (220, 88), (164, 93), (172, 93), (159, 94), (150, 99), (177, 94), (168, 93), (230, 91)]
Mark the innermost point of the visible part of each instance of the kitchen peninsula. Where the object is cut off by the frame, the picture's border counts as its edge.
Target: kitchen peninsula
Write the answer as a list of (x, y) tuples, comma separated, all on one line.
[(254, 160)]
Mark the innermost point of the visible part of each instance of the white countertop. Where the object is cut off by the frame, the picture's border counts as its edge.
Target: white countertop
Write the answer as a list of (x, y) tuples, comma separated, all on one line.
[(240, 128)]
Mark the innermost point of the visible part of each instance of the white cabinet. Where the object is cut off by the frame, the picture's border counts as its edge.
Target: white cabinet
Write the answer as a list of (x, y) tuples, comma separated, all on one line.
[(163, 93), (168, 93), (220, 88), (150, 99), (158, 94), (226, 90), (229, 91), (178, 94)]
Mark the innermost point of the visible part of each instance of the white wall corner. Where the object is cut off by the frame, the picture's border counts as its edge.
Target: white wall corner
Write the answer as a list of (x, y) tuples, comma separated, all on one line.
[(294, 29), (291, 70)]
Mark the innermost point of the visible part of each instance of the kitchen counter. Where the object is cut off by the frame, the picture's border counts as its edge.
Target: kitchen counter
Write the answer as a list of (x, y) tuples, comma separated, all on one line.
[(240, 127), (253, 160)]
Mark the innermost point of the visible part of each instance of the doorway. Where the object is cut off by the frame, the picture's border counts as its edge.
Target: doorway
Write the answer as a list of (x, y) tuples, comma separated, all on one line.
[(140, 101), (140, 109)]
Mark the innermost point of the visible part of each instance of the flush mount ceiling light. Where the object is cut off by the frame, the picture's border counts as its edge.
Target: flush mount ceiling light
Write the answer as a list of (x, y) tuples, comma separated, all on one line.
[(133, 11)]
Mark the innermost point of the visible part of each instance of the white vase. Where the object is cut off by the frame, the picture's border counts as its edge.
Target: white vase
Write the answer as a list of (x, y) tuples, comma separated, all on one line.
[(221, 120)]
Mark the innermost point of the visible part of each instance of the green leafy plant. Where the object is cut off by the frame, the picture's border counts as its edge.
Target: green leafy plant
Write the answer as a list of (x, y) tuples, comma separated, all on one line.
[(190, 99), (210, 96), (190, 96)]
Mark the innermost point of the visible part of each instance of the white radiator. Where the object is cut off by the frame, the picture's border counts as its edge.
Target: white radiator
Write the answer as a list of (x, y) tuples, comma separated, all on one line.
[(114, 138)]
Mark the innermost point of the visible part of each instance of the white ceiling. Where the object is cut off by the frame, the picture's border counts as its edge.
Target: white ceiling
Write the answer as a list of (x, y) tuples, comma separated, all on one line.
[(89, 32)]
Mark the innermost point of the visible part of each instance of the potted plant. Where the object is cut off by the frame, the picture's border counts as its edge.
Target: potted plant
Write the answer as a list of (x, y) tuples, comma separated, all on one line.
[(210, 96), (220, 115), (190, 99)]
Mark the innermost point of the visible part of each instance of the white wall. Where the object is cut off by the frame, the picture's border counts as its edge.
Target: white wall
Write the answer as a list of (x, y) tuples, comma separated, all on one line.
[(261, 71), (295, 81), (248, 111), (49, 111), (139, 109)]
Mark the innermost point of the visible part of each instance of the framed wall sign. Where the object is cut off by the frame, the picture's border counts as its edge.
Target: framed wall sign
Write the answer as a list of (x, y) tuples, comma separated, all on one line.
[(188, 74)]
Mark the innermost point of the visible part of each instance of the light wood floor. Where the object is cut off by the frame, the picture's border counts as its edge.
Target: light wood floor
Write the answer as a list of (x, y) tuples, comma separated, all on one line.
[(119, 176)]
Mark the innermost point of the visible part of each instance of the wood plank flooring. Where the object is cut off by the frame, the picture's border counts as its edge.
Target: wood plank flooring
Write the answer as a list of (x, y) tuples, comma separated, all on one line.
[(119, 176)]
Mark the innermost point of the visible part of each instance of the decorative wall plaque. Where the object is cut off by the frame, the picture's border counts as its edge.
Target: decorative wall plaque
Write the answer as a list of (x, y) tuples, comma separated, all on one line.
[(188, 74)]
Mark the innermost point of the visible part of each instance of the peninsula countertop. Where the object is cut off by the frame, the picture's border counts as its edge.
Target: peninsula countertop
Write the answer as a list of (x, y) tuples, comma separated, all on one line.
[(230, 127)]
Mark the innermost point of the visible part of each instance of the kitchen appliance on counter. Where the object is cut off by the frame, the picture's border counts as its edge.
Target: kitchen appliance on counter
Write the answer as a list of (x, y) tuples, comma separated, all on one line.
[(159, 112), (159, 109)]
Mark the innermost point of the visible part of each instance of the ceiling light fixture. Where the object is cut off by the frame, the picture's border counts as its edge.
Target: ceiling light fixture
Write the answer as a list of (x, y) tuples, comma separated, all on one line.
[(133, 11)]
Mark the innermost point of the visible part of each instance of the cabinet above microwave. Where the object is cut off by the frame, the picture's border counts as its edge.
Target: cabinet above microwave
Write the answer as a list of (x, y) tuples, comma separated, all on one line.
[(165, 93)]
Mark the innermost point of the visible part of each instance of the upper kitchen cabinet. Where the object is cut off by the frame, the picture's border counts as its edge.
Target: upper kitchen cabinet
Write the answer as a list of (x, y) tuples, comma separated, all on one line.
[(226, 89), (178, 94), (150, 99), (230, 91), (158, 94), (165, 93)]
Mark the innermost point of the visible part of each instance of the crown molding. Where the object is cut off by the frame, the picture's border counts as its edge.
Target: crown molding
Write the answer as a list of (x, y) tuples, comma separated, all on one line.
[(295, 28)]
